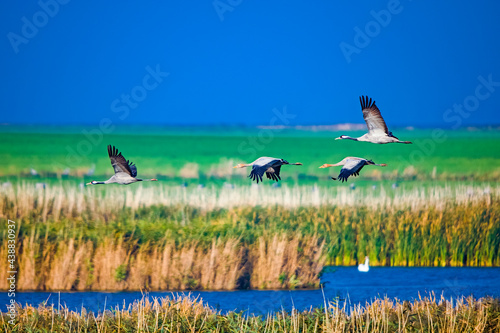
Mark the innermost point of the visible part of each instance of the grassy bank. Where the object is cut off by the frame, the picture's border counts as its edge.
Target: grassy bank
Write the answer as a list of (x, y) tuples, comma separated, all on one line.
[(161, 238), (187, 315)]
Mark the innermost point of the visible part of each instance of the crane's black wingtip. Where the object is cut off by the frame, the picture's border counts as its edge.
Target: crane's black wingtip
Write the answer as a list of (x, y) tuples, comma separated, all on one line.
[(366, 102), (113, 151)]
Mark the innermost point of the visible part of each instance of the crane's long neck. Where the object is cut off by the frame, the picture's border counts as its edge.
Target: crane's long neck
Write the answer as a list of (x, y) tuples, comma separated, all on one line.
[(243, 165), (109, 181), (349, 138), (95, 183), (326, 165), (369, 162)]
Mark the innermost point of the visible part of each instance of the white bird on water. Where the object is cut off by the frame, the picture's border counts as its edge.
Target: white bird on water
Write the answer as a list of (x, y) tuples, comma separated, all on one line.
[(364, 267)]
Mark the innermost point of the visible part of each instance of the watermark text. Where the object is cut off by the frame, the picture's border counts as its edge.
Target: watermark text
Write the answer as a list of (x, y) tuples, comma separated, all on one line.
[(11, 271)]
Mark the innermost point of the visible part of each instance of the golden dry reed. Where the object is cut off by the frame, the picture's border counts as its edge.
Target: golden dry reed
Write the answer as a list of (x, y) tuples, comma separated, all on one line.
[(149, 238), (118, 265), (185, 314)]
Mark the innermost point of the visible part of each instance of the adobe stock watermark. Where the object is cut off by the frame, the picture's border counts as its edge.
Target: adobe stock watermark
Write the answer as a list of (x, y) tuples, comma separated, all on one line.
[(31, 25), (252, 145), (471, 103), (373, 28), (11, 270), (120, 107), (223, 6), (455, 115)]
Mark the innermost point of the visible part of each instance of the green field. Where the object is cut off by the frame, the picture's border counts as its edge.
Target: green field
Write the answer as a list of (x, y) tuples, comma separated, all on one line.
[(204, 153)]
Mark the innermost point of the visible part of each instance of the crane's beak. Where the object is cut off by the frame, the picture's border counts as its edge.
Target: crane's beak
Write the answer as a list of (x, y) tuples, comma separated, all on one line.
[(88, 184), (297, 163), (154, 180), (383, 164), (337, 138)]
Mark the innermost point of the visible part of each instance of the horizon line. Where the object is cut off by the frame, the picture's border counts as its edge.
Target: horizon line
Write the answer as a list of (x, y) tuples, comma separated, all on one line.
[(305, 127)]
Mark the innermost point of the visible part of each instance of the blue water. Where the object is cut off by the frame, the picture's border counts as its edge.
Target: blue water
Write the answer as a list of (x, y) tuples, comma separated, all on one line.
[(340, 283)]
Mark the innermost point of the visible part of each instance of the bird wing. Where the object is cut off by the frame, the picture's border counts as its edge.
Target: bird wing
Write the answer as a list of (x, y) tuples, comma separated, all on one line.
[(257, 173), (120, 164), (274, 173), (372, 115), (260, 166), (277, 171), (351, 167), (262, 161)]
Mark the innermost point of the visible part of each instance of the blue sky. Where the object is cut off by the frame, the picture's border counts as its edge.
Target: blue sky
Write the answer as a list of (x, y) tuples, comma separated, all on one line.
[(233, 62)]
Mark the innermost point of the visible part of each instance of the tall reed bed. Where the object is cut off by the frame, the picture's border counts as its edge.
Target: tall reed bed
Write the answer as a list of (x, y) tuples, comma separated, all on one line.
[(117, 264), (64, 201), (126, 238), (191, 315)]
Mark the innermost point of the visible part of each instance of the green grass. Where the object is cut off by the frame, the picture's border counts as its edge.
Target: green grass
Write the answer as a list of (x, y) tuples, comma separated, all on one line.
[(462, 155)]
